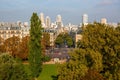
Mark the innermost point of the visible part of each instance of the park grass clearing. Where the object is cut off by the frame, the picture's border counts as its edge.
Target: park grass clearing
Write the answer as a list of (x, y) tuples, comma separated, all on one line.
[(49, 72)]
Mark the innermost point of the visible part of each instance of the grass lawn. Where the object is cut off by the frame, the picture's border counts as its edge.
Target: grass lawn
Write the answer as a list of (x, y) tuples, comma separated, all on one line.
[(49, 72)]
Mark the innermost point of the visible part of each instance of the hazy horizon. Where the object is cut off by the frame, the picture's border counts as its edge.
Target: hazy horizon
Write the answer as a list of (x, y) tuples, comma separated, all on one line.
[(70, 10)]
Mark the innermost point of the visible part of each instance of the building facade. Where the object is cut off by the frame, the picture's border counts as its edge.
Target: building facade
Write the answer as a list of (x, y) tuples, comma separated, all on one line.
[(8, 30)]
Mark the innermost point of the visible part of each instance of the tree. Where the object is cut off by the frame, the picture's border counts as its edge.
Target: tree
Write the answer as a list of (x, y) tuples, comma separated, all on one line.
[(98, 53), (59, 40), (106, 40), (1, 45), (11, 45), (46, 39), (11, 68), (80, 62), (45, 42), (75, 68), (69, 41), (23, 48), (35, 53), (92, 75), (64, 39)]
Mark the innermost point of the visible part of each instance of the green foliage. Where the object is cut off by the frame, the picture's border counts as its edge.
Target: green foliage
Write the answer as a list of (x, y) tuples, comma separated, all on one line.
[(92, 75), (59, 40), (64, 39), (80, 61), (75, 68), (105, 40), (11, 68), (98, 51), (35, 53), (94, 60), (46, 58)]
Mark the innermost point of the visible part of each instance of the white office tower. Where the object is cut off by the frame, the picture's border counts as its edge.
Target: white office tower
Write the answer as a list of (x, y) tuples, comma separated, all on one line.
[(85, 19), (58, 18), (59, 21), (42, 19), (103, 21), (48, 22)]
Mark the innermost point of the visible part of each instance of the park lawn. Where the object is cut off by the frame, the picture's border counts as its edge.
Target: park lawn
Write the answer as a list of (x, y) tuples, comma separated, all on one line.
[(49, 72)]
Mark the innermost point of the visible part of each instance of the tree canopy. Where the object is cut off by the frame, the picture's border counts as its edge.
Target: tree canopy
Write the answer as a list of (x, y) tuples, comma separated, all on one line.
[(11, 45), (98, 53), (11, 68), (64, 39), (35, 52)]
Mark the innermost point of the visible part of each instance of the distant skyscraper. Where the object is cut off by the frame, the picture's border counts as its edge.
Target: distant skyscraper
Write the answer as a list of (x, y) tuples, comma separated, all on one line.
[(42, 19), (85, 19), (48, 21), (104, 21), (58, 18), (59, 21)]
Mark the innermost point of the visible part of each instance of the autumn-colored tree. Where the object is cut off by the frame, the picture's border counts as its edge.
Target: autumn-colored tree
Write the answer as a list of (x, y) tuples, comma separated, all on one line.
[(2, 45), (12, 45), (23, 48), (45, 41), (46, 38)]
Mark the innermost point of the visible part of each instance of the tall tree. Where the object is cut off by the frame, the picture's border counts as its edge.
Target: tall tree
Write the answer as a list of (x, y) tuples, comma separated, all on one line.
[(35, 53)]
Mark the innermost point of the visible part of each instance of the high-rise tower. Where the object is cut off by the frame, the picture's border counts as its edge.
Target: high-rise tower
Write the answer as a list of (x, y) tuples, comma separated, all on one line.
[(58, 18), (59, 21), (85, 19), (48, 21), (42, 17)]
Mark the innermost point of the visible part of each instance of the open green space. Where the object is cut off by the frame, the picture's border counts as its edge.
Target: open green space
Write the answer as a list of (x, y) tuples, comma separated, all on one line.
[(49, 72)]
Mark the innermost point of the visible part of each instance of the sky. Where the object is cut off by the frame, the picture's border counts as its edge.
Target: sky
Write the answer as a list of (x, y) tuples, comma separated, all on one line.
[(70, 10)]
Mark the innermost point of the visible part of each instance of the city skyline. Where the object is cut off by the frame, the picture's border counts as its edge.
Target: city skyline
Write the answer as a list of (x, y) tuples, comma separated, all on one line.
[(71, 11)]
